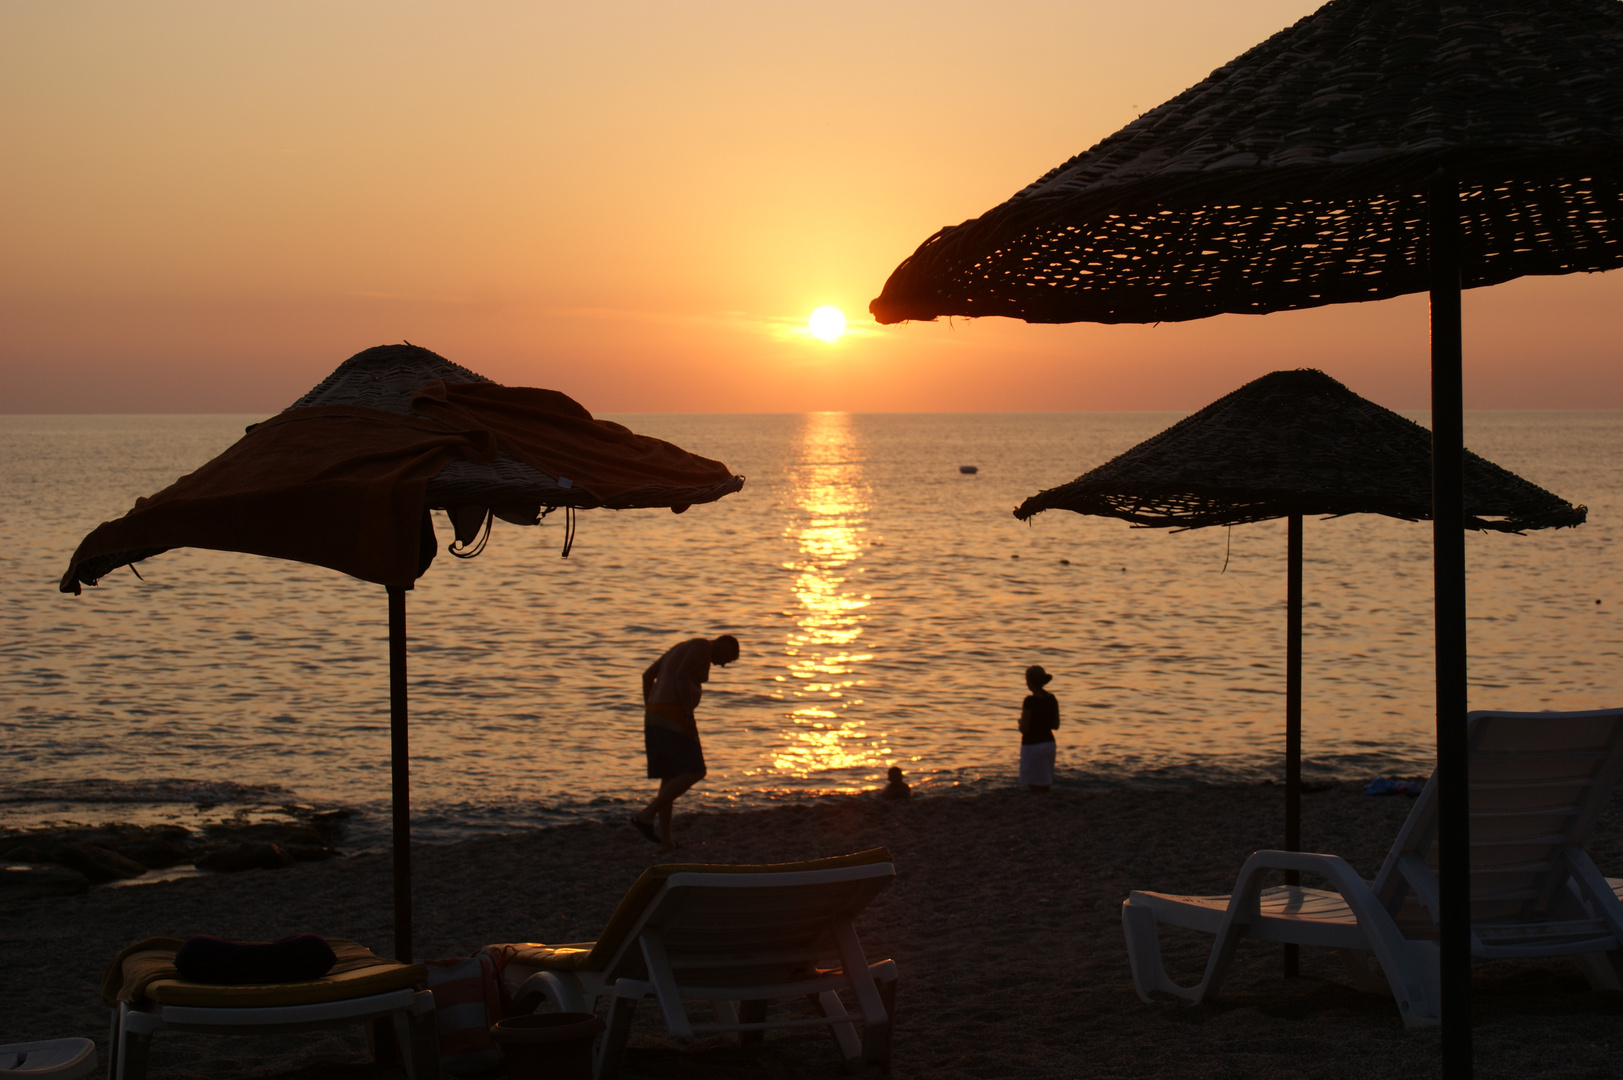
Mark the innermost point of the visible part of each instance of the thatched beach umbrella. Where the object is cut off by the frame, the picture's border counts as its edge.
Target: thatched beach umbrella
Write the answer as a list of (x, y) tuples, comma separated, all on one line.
[(1294, 444), (1375, 148), (345, 478)]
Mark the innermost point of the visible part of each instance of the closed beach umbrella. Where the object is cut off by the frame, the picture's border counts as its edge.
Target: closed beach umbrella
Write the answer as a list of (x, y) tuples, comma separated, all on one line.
[(1375, 148), (345, 478), (1294, 444)]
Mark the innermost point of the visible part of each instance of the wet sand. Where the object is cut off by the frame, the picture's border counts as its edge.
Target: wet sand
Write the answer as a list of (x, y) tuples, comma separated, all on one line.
[(1004, 922)]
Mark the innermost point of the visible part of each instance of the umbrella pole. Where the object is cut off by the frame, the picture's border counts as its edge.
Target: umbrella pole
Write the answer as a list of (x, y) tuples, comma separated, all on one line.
[(1448, 567), (400, 773), (1293, 709)]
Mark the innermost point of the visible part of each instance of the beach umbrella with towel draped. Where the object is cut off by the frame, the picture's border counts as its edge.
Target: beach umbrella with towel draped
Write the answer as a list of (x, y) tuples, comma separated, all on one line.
[(345, 478), (1375, 148), (1294, 444)]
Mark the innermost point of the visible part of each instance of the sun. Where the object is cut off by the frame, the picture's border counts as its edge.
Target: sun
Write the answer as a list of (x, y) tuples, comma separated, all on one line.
[(827, 323)]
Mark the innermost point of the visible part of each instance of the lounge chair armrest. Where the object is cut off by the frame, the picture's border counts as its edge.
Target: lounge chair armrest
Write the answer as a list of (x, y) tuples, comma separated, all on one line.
[(1409, 980), (1333, 868)]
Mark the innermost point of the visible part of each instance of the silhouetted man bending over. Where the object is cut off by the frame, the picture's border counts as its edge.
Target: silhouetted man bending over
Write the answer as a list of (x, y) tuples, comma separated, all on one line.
[(671, 688)]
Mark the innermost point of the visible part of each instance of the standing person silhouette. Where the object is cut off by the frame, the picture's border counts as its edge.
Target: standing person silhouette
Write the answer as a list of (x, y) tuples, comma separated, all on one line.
[(671, 688), (1039, 716)]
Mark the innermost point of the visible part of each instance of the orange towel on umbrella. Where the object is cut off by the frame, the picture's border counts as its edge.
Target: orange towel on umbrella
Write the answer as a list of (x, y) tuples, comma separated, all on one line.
[(344, 486), (554, 433), (333, 485)]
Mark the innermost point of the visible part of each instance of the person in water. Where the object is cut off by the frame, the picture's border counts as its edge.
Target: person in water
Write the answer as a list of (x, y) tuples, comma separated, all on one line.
[(671, 688), (897, 788), (1039, 716)]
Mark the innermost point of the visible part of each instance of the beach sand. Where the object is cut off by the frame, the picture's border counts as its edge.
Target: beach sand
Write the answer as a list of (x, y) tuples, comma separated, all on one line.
[(1004, 922)]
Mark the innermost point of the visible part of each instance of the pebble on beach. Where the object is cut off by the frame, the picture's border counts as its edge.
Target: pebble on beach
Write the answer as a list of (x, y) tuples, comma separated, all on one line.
[(1004, 922)]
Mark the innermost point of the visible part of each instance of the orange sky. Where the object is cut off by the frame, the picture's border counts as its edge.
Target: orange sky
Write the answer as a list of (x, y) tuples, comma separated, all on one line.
[(207, 206)]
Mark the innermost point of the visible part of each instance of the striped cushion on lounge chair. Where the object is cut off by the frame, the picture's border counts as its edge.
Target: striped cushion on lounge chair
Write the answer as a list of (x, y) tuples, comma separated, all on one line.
[(533, 957), (147, 970)]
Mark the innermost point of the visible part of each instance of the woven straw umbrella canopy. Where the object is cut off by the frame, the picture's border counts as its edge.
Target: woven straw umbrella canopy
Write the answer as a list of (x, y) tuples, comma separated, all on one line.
[(1294, 444), (1373, 149), (1296, 175), (345, 478)]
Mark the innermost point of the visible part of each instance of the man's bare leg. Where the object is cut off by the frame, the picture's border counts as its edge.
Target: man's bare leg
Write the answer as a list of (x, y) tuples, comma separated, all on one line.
[(659, 809), (665, 832)]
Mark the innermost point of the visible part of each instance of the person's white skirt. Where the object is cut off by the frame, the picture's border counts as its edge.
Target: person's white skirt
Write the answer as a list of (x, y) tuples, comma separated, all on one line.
[(1037, 764)]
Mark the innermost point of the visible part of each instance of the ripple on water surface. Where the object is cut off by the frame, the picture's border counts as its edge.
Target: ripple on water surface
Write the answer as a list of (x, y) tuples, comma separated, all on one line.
[(887, 604)]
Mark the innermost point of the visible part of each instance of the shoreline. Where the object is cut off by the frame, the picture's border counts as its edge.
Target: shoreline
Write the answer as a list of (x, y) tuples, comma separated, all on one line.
[(153, 848), (365, 825), (1004, 923)]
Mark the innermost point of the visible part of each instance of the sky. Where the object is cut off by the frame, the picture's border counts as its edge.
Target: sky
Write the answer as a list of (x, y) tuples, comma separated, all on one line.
[(207, 206)]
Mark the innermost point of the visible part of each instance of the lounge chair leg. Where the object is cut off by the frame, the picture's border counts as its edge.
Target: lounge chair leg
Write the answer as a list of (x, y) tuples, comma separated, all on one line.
[(132, 1055), (423, 1040), (613, 1045), (1419, 967), (403, 1047), (829, 1004), (380, 1043), (876, 1045), (1143, 935), (876, 1037), (1144, 953), (751, 1012), (1217, 966), (1603, 970)]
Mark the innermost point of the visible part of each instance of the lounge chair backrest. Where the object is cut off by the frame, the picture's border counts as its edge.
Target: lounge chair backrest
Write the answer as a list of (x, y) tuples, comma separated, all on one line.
[(725, 929), (620, 932), (1538, 782)]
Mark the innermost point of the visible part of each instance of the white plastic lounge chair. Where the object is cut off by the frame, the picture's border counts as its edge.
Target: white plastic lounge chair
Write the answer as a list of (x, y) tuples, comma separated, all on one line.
[(149, 996), (1538, 781), (736, 936), (51, 1059)]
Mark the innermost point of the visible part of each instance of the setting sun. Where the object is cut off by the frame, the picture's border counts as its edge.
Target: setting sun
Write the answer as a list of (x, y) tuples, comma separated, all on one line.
[(827, 323)]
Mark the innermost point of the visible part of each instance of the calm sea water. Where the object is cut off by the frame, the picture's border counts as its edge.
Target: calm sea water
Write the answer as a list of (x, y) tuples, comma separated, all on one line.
[(887, 606)]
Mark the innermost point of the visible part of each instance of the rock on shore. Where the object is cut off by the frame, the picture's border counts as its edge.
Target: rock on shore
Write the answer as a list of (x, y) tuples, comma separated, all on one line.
[(113, 852)]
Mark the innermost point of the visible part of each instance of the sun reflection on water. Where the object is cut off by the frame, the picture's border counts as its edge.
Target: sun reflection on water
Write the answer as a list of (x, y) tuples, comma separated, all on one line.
[(823, 654)]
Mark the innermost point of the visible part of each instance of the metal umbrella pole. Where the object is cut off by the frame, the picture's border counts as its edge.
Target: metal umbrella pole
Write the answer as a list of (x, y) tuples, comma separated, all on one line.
[(1448, 540), (400, 773), (1293, 709)]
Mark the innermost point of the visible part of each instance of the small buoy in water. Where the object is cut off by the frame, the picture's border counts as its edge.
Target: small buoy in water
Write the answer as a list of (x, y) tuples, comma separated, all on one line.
[(969, 470), (1016, 557), (1065, 562)]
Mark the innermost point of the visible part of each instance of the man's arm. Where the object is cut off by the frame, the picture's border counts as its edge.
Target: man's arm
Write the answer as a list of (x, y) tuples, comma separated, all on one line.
[(649, 677)]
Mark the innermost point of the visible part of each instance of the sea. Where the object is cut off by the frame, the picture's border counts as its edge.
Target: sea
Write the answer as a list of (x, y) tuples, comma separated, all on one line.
[(886, 599)]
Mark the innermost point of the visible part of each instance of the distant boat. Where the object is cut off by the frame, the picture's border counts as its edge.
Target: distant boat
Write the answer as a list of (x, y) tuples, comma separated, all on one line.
[(969, 470)]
